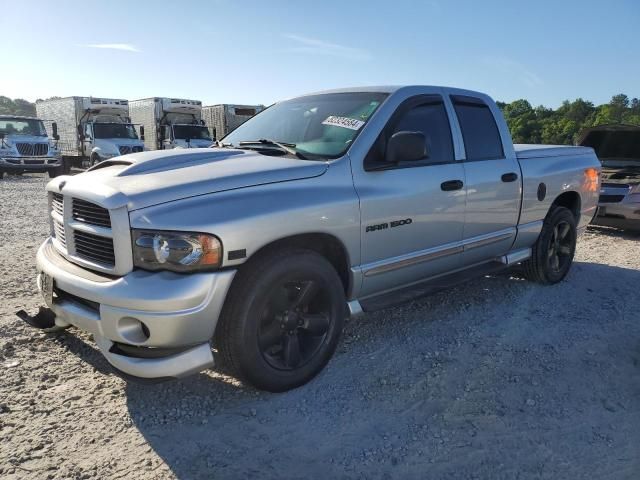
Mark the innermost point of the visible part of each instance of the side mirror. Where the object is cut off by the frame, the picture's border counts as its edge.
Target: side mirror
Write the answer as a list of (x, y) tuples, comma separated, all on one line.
[(142, 132), (54, 131), (406, 147)]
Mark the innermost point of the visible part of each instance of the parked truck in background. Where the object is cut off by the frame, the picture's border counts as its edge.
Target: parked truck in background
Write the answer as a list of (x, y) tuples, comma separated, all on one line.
[(324, 204), (91, 129), (223, 119), (171, 123), (618, 148), (26, 147)]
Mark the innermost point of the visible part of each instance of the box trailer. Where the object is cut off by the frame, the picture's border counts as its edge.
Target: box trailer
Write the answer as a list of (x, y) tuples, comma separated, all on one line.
[(91, 129), (170, 122), (225, 118)]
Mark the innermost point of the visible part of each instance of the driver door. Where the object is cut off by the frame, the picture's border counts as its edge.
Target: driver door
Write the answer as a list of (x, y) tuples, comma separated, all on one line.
[(412, 213)]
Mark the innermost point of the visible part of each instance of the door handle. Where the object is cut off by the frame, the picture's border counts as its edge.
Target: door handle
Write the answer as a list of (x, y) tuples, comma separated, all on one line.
[(451, 185), (509, 177)]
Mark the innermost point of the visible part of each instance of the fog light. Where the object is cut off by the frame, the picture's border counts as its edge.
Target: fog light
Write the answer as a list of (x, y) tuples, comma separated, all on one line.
[(133, 330)]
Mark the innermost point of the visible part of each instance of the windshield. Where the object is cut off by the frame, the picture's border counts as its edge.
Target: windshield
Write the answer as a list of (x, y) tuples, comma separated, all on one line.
[(192, 132), (114, 130), (320, 126), (22, 126)]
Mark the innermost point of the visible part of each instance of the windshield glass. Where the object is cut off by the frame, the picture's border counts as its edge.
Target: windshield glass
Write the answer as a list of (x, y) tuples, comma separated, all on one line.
[(114, 130), (22, 126), (192, 132), (317, 126)]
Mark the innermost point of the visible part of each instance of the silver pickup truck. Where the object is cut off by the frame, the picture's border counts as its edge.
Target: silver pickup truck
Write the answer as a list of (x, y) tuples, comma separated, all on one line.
[(320, 206)]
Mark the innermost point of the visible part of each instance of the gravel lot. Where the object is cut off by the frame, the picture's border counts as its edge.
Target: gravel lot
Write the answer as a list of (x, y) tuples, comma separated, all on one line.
[(498, 378)]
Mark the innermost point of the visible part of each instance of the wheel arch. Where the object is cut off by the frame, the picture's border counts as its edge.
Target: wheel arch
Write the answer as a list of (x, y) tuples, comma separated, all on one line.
[(570, 200), (325, 244)]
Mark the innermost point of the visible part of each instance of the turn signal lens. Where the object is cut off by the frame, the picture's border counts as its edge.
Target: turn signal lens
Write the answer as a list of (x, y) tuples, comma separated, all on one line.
[(176, 251), (592, 179)]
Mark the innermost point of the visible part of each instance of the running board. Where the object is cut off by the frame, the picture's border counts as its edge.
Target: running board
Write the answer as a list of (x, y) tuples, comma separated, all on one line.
[(406, 294), (516, 256)]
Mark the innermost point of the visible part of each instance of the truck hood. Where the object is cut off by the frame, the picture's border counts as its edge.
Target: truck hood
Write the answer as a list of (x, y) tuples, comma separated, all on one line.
[(618, 148), (144, 179)]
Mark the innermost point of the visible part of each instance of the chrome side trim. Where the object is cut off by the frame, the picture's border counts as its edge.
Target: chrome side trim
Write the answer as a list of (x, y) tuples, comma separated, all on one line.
[(414, 258), (410, 259), (482, 240)]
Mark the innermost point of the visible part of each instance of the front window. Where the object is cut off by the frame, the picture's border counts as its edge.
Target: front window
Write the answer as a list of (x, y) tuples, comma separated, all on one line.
[(22, 126), (115, 130), (192, 132), (317, 126)]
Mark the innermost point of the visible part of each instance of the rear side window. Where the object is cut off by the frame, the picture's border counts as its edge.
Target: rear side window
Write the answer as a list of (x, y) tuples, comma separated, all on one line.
[(430, 119), (479, 130)]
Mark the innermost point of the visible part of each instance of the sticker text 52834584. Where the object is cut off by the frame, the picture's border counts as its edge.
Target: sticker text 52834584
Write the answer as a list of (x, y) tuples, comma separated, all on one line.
[(344, 122)]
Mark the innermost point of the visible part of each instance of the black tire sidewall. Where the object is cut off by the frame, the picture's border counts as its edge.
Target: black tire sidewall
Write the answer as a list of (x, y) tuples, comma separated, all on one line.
[(256, 289), (560, 214)]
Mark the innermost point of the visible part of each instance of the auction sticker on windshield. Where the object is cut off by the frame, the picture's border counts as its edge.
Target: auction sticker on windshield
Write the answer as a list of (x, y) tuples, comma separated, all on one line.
[(344, 122)]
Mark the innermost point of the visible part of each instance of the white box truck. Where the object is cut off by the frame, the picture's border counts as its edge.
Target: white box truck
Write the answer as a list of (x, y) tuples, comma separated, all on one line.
[(225, 118), (171, 122), (91, 129)]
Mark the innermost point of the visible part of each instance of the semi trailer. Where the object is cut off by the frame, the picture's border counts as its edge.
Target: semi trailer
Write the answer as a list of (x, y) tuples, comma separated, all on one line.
[(171, 122), (91, 129), (225, 118)]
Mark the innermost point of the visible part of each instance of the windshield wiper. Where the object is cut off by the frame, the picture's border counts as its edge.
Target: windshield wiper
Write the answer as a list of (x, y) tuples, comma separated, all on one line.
[(286, 147)]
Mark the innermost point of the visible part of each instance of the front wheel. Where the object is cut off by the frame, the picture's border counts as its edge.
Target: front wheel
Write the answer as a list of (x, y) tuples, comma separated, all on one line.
[(552, 254), (282, 320)]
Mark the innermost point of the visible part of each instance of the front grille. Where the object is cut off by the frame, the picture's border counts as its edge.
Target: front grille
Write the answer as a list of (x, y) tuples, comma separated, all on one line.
[(94, 248), (90, 213), (611, 198), (613, 185), (125, 149), (58, 233), (33, 149), (56, 204)]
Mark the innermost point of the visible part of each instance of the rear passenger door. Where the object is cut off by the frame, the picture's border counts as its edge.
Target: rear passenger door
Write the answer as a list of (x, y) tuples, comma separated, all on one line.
[(492, 180), (411, 225)]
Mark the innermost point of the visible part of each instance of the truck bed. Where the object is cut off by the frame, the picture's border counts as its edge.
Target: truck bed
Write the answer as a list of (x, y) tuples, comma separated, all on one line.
[(524, 150)]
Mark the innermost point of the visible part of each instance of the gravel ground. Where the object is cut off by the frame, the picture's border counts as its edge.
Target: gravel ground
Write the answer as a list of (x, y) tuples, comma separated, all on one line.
[(498, 378)]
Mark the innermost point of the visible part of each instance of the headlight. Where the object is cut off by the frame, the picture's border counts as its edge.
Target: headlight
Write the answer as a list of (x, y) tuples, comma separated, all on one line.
[(176, 251)]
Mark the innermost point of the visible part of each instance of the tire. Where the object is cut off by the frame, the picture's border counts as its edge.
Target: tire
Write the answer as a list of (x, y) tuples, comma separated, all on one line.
[(552, 254), (54, 172), (94, 160), (282, 320)]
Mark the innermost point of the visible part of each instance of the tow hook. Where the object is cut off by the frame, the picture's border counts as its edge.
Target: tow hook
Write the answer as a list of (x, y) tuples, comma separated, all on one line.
[(45, 319)]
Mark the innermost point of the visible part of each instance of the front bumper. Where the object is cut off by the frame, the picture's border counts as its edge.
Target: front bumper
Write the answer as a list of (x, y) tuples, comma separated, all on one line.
[(31, 164), (149, 311), (624, 215)]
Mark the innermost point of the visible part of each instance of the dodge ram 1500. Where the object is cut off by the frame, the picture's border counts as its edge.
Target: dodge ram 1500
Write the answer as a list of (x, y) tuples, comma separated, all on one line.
[(321, 206)]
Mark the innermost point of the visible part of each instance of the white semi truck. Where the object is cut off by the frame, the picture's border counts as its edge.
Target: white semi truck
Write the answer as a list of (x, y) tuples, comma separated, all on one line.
[(171, 123), (225, 118), (25, 146), (91, 129)]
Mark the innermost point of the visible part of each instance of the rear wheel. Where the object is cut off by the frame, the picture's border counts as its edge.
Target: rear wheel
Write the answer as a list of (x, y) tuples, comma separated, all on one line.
[(552, 254), (282, 320)]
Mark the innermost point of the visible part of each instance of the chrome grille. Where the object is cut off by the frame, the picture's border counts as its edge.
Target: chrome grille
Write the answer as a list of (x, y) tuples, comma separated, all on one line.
[(125, 149), (33, 149), (56, 204), (90, 213), (58, 233), (94, 248)]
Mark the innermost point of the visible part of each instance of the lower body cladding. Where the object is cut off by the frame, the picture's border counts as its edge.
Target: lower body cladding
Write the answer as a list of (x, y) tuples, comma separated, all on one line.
[(149, 325), (625, 215)]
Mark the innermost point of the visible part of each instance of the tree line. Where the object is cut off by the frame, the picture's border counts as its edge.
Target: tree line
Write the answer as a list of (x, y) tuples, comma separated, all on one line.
[(528, 124)]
